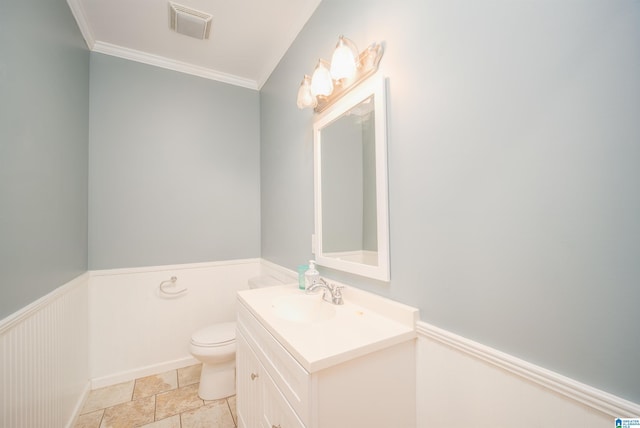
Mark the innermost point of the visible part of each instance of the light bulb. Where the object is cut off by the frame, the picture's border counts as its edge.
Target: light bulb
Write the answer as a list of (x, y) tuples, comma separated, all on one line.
[(343, 61), (321, 83), (305, 97)]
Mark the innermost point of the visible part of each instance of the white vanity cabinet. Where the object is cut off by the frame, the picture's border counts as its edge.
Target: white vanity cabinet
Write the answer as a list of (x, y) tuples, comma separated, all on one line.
[(248, 394), (370, 388), (259, 402)]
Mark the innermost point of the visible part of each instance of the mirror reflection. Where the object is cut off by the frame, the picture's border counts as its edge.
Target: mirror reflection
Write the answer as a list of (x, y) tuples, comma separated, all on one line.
[(349, 220)]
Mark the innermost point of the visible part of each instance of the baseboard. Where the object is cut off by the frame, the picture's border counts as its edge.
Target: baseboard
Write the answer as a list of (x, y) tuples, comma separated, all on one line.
[(142, 372), (582, 393)]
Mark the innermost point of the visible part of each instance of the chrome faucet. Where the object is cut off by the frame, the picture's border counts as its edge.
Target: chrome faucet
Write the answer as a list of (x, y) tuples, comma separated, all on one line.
[(335, 291)]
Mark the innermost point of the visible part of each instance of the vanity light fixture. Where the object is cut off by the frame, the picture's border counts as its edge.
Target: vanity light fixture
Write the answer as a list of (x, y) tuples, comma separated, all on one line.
[(321, 81), (343, 61), (305, 97), (330, 81)]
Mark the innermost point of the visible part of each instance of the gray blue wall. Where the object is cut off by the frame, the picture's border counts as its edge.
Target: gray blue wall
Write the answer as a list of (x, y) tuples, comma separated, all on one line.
[(44, 122), (514, 164), (514, 146), (174, 167)]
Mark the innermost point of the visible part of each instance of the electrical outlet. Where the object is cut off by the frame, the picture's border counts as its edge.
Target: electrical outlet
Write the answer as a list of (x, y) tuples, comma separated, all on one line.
[(313, 243)]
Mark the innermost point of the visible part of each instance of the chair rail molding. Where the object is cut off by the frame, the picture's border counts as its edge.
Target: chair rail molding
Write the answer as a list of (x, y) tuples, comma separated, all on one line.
[(567, 387)]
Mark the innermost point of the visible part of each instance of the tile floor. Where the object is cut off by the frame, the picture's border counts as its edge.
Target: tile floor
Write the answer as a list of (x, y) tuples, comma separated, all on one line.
[(165, 400)]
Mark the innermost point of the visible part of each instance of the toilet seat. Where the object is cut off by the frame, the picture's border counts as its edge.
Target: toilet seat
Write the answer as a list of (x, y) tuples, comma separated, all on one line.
[(215, 335)]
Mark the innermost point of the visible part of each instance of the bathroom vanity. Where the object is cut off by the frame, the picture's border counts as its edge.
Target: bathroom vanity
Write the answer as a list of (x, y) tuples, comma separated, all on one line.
[(304, 362)]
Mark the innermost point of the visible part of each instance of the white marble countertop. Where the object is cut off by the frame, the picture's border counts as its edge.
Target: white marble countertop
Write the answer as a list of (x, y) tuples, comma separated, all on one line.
[(363, 324)]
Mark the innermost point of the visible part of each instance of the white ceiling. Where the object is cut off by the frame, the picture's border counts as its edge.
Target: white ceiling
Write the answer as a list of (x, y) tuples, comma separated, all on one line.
[(248, 37)]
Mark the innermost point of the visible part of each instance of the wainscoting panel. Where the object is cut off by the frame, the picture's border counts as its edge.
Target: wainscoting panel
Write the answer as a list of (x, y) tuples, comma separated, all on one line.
[(44, 373), (462, 383), (137, 331)]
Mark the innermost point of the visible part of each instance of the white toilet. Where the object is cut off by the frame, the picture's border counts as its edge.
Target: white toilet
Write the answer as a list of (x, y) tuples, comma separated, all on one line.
[(215, 347)]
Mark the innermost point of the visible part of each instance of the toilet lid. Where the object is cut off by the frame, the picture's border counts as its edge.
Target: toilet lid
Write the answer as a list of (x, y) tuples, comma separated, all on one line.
[(215, 335)]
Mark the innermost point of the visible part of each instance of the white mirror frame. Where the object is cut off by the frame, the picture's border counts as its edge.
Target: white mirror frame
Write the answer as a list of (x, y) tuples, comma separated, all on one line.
[(375, 86)]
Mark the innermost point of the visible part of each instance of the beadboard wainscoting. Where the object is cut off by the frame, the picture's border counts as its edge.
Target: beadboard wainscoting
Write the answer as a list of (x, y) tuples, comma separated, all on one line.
[(134, 331), (44, 374), (462, 383)]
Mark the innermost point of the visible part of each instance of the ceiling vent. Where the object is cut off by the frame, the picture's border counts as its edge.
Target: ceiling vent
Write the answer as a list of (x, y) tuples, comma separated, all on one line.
[(189, 22)]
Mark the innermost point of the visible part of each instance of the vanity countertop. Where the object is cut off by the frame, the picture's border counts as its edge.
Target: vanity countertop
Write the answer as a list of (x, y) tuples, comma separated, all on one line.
[(363, 324)]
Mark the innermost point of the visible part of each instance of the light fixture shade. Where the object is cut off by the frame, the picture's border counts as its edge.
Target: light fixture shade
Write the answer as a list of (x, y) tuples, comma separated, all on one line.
[(305, 97), (344, 59), (321, 83)]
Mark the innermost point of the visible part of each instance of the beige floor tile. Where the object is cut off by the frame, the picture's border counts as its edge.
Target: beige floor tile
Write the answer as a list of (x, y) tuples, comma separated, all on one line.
[(215, 414), (231, 402), (89, 420), (177, 401), (152, 385), (189, 375), (131, 414), (108, 396), (171, 422)]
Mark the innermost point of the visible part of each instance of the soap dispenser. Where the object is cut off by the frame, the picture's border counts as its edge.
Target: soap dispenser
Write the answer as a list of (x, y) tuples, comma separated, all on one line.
[(311, 275)]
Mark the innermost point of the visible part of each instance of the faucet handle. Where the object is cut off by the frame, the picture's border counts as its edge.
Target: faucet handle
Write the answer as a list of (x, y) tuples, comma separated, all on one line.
[(336, 292)]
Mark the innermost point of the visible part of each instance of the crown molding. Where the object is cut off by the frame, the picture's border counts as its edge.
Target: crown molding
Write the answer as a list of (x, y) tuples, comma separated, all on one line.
[(170, 64), (83, 23), (94, 45)]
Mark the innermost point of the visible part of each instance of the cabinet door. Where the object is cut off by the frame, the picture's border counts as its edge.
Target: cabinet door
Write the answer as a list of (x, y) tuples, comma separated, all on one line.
[(277, 412), (248, 379)]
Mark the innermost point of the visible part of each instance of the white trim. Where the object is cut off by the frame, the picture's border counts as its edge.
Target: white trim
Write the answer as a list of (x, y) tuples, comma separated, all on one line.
[(37, 365), (585, 394), (83, 23), (153, 369), (146, 269), (78, 12), (133, 293), (376, 86), (170, 64), (17, 317)]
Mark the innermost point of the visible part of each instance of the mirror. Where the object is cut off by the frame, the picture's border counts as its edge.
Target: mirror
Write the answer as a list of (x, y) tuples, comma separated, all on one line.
[(350, 165)]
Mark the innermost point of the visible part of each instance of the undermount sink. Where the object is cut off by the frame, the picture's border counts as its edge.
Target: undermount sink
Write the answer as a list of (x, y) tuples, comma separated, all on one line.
[(304, 308)]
